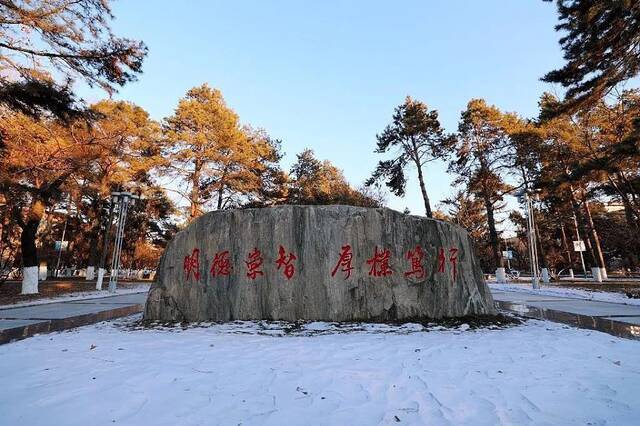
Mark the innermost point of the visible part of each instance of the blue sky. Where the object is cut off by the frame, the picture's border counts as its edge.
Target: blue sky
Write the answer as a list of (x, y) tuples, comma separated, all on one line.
[(328, 74)]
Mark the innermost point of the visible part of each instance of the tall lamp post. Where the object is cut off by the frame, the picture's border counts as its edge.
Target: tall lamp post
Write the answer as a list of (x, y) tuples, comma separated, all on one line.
[(105, 242), (124, 199), (525, 198)]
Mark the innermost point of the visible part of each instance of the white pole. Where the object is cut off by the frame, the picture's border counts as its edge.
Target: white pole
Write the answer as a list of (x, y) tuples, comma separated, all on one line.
[(64, 230), (115, 240), (532, 243), (506, 247), (584, 268), (115, 263)]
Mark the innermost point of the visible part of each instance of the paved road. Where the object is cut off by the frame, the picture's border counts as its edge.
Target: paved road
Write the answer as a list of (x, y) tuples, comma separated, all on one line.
[(613, 318), (21, 322)]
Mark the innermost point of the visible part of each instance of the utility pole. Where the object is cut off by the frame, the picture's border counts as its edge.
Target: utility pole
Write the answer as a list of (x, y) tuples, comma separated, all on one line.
[(64, 231), (533, 250), (526, 199)]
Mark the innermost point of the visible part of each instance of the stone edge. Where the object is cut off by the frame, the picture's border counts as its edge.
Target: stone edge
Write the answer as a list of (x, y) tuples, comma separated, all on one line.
[(605, 325), (52, 325)]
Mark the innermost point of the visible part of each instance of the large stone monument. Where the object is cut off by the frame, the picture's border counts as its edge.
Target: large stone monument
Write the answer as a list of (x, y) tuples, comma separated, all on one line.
[(334, 263)]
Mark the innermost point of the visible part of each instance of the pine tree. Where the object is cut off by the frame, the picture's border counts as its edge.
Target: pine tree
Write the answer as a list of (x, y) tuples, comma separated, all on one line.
[(483, 150), (39, 159), (216, 158), (415, 137), (320, 182), (601, 46), (130, 150), (48, 39)]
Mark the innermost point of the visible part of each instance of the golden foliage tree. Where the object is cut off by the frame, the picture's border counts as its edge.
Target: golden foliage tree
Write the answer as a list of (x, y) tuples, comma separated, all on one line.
[(129, 149), (319, 182), (215, 157), (38, 159)]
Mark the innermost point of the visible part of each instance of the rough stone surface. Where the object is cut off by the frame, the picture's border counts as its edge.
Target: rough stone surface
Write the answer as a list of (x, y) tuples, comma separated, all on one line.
[(316, 235)]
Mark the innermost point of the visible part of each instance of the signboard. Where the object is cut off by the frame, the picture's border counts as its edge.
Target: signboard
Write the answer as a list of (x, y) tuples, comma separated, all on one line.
[(507, 254), (579, 246)]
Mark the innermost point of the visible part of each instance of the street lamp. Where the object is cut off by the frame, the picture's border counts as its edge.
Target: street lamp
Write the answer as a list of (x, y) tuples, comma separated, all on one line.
[(123, 199), (105, 241), (525, 198)]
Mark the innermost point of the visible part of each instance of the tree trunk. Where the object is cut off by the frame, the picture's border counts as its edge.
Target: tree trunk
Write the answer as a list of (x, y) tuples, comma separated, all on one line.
[(594, 233), (541, 258), (565, 244), (28, 243), (632, 214), (28, 247), (194, 197), (582, 232), (220, 192), (493, 234), (423, 189)]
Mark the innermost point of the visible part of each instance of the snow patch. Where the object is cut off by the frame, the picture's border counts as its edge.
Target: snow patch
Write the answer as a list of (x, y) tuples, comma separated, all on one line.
[(232, 373)]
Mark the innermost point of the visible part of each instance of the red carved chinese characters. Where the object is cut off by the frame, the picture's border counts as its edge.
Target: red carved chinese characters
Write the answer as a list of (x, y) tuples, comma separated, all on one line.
[(287, 262), (345, 262), (441, 260), (380, 263), (192, 264), (453, 258), (221, 264), (415, 256), (253, 264)]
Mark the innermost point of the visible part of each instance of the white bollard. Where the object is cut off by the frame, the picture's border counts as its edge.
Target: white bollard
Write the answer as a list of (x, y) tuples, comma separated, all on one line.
[(90, 273), (42, 271), (545, 275), (30, 280), (501, 275), (571, 273), (101, 272), (603, 273), (596, 274)]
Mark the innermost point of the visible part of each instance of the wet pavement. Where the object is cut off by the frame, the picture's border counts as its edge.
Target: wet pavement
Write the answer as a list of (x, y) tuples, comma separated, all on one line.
[(20, 322), (614, 318)]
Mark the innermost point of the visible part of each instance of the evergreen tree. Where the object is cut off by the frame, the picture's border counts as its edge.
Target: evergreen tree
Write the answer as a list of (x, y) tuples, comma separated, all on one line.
[(40, 158), (320, 182), (415, 137), (483, 151), (130, 150), (48, 39), (216, 158), (601, 46)]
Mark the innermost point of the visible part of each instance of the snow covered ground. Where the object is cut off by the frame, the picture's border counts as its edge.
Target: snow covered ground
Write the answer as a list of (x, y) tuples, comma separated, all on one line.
[(573, 293), (253, 373), (137, 288)]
